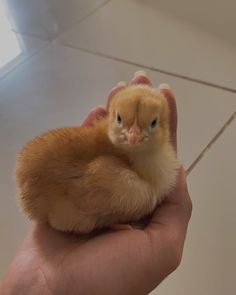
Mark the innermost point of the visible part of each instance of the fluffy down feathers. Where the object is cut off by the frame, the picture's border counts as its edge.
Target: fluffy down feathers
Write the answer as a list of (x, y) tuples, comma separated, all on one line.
[(117, 171)]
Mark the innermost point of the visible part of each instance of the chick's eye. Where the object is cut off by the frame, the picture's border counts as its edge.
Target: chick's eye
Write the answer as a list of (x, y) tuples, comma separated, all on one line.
[(154, 123), (118, 119)]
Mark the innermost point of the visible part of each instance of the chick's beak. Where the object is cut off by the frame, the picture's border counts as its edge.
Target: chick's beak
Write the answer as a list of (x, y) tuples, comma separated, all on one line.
[(134, 134)]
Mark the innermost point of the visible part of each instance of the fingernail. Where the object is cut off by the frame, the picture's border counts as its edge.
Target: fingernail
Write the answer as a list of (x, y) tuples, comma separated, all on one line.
[(164, 86), (122, 84), (140, 73)]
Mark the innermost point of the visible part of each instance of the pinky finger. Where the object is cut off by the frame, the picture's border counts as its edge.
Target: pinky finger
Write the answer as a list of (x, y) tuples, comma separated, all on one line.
[(167, 92)]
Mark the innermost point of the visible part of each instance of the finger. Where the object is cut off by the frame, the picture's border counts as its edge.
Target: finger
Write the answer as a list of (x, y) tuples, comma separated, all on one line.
[(120, 86), (95, 114), (167, 92), (141, 77)]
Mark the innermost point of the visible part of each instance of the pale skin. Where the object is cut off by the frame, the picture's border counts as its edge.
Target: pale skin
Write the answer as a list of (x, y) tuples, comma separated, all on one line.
[(123, 261)]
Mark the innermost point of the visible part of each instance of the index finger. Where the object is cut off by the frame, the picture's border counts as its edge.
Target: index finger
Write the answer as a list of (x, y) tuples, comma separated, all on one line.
[(95, 114)]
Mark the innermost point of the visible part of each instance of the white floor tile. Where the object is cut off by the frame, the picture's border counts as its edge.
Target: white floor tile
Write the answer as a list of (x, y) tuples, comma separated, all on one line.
[(215, 17), (139, 32), (57, 88), (48, 18), (208, 266)]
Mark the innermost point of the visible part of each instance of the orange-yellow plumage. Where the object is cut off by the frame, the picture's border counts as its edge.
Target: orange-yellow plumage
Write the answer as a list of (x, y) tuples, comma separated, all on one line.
[(115, 171)]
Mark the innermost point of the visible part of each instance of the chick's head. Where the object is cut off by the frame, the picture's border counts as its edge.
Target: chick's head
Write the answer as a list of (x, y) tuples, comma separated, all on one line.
[(138, 118)]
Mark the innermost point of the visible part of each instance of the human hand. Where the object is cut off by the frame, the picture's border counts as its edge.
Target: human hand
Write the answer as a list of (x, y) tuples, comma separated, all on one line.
[(131, 261)]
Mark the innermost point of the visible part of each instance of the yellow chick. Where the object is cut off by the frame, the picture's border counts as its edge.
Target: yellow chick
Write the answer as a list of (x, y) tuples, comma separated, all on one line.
[(82, 178)]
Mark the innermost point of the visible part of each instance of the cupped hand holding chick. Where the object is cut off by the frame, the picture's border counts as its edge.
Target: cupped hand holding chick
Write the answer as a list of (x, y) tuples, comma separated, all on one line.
[(115, 171), (116, 262)]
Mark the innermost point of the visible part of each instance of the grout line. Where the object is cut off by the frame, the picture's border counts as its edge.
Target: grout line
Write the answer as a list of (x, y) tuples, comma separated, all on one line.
[(180, 76), (89, 13), (92, 12), (210, 144)]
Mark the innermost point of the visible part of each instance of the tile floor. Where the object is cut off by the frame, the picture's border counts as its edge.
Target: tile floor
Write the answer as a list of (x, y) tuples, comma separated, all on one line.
[(68, 62)]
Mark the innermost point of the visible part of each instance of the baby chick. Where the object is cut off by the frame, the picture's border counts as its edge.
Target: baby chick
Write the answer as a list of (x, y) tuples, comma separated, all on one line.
[(117, 171)]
